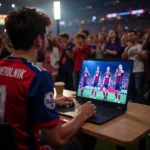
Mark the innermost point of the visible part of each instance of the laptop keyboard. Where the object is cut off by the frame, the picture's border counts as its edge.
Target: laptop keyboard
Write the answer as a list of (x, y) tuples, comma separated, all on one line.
[(100, 110)]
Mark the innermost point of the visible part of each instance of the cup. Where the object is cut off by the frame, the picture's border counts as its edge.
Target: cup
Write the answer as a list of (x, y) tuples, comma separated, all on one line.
[(59, 86)]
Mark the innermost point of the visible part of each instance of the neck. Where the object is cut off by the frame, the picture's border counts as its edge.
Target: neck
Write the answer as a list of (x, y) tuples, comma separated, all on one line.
[(113, 39), (134, 42), (30, 55)]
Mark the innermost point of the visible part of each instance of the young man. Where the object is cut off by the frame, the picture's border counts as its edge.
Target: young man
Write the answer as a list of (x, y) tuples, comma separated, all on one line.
[(106, 83), (86, 74), (67, 62), (96, 82), (119, 74), (27, 95), (135, 53), (80, 52)]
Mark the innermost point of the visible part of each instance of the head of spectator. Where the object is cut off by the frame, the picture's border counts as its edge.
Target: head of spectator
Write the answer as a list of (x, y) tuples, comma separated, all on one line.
[(140, 36), (79, 39), (4, 41), (113, 36), (90, 40), (124, 40), (132, 35), (85, 33), (19, 24), (64, 39), (102, 38)]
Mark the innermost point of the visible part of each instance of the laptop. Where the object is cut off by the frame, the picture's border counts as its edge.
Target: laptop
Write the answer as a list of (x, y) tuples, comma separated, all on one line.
[(106, 84)]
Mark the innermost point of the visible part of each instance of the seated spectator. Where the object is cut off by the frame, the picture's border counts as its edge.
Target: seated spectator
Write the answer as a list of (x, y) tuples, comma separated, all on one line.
[(5, 47), (51, 61), (80, 52), (27, 90), (113, 46), (100, 46)]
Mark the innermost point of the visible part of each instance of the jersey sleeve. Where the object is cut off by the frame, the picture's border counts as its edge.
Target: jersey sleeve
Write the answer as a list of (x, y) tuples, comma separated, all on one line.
[(42, 107)]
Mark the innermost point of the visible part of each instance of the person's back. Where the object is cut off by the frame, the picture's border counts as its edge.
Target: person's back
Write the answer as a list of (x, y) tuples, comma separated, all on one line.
[(20, 94), (27, 101)]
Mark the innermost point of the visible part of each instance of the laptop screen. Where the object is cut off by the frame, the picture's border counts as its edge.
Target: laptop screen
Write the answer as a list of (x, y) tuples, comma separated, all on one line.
[(105, 80)]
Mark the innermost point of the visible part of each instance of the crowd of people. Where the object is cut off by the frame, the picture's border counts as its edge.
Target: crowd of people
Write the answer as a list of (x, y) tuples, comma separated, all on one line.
[(26, 90), (63, 55)]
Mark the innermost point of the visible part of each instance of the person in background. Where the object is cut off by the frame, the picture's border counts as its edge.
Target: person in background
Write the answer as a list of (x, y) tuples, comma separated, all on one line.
[(66, 60), (51, 61), (91, 46), (80, 52), (135, 53), (140, 36), (146, 46), (5, 47), (29, 104), (100, 46), (124, 43), (113, 46)]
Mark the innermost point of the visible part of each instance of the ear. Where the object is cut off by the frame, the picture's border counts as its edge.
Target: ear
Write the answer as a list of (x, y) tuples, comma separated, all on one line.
[(38, 41)]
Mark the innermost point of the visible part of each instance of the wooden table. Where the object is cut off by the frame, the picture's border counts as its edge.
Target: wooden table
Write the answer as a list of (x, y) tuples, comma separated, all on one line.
[(125, 130)]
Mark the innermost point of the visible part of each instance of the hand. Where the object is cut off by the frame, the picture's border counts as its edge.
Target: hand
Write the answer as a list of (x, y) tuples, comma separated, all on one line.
[(134, 52), (129, 45), (64, 101), (87, 110)]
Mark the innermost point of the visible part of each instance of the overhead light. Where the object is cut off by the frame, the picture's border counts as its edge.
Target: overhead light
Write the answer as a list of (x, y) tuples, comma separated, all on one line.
[(13, 5), (0, 4), (57, 10)]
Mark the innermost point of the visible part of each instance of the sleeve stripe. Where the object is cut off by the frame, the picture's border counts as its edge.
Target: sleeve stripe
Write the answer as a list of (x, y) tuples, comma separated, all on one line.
[(48, 124)]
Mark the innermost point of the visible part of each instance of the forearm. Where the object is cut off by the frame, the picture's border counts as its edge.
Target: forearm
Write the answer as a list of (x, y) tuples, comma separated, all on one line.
[(124, 55), (69, 129), (112, 52), (145, 44), (144, 56)]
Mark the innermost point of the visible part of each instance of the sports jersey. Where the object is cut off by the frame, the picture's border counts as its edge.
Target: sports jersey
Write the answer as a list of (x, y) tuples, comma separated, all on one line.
[(85, 75), (26, 101), (119, 76), (107, 77), (96, 76)]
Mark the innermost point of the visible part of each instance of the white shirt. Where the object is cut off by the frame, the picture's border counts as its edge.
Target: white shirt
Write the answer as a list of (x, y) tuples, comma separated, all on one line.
[(138, 63)]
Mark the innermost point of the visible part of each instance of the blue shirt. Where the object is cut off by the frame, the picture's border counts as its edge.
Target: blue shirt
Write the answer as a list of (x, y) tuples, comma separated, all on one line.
[(113, 47), (67, 63)]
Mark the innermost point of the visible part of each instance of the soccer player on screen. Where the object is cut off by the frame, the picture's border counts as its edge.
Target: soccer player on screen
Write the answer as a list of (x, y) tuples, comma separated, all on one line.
[(119, 75), (96, 82), (106, 83), (86, 74)]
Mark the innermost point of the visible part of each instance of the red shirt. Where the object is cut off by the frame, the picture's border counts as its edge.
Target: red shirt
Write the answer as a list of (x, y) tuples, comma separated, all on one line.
[(79, 55)]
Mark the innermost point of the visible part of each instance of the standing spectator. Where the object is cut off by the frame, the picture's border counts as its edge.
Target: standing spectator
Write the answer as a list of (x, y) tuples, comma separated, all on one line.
[(5, 47), (113, 46), (124, 43), (100, 46), (146, 46), (140, 36), (92, 47), (52, 58), (67, 62), (134, 52), (80, 52)]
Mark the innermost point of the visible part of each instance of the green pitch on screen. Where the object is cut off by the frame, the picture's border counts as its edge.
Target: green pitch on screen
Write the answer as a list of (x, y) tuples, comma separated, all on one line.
[(99, 96)]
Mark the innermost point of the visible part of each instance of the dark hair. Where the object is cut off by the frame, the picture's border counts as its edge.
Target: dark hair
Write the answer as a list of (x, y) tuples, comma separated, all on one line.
[(85, 32), (24, 25), (135, 32), (81, 36), (51, 45), (65, 36), (117, 37)]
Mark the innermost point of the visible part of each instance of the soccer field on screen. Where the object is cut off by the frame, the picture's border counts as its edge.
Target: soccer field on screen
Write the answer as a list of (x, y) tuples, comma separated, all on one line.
[(99, 96)]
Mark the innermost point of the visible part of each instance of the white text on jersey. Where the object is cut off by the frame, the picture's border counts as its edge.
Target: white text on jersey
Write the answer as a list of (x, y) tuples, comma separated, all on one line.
[(12, 72)]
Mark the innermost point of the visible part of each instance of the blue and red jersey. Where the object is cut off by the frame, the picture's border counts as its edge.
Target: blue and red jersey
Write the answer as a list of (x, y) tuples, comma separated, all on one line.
[(107, 78), (96, 76), (26, 101), (119, 76), (85, 76)]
